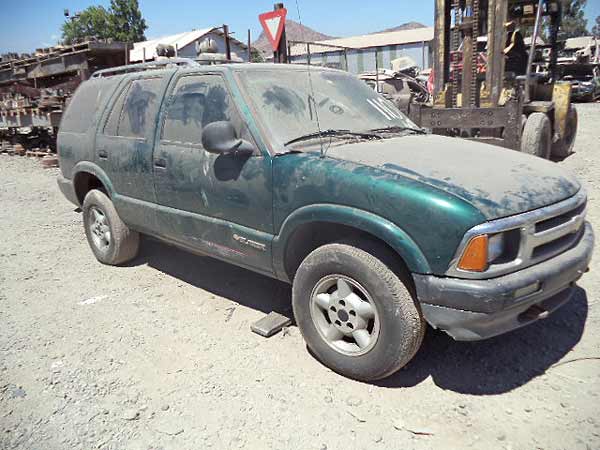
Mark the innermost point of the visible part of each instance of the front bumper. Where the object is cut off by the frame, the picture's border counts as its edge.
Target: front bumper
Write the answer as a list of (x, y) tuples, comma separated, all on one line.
[(66, 187), (470, 310)]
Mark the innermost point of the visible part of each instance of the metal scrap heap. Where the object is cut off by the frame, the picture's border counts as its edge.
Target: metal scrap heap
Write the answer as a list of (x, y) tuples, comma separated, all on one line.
[(35, 88)]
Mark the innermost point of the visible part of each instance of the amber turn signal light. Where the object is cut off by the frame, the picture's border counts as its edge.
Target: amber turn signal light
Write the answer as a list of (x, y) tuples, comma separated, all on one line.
[(475, 256)]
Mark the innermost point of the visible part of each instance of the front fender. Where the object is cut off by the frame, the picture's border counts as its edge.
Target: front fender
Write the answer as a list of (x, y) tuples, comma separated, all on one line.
[(365, 221)]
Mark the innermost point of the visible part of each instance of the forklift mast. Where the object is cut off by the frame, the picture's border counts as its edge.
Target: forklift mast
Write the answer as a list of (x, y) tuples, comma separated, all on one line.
[(461, 24)]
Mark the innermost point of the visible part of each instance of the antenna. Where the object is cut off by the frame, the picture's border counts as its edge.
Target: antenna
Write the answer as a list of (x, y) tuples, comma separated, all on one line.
[(312, 91)]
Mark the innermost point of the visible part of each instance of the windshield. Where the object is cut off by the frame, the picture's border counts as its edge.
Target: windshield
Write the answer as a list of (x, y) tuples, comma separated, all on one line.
[(341, 101)]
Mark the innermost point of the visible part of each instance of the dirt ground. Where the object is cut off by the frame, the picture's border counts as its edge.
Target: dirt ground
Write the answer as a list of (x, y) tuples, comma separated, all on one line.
[(159, 354)]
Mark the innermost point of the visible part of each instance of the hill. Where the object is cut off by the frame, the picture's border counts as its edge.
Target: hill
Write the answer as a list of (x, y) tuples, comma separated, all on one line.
[(294, 32), (404, 26)]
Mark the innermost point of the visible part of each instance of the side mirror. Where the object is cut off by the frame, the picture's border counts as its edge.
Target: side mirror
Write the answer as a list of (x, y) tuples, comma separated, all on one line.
[(220, 138)]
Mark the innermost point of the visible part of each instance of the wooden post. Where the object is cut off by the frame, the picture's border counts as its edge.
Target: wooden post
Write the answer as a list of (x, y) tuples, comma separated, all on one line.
[(346, 59), (280, 55), (227, 43), (144, 54), (377, 70), (249, 46)]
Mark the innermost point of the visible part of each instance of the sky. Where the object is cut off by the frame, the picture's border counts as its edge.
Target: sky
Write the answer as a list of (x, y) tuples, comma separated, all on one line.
[(27, 24)]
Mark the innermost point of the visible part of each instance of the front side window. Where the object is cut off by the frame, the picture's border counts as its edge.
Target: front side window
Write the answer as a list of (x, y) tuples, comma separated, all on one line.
[(290, 103), (197, 100)]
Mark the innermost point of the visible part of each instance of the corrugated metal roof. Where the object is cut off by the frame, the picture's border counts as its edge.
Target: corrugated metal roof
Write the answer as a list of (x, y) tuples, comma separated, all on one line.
[(579, 42), (180, 40), (424, 34)]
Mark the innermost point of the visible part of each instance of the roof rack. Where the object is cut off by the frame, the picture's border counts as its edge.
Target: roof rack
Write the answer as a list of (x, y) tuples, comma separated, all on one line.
[(160, 64)]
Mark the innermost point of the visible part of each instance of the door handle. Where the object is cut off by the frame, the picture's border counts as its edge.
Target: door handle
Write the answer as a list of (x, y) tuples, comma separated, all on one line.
[(160, 162), (102, 154)]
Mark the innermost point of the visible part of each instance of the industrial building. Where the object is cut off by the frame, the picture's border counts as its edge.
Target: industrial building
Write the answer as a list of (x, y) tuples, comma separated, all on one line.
[(185, 45), (359, 54)]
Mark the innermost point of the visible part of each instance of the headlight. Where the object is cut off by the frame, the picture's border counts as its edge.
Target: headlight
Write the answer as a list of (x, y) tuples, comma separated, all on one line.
[(481, 251)]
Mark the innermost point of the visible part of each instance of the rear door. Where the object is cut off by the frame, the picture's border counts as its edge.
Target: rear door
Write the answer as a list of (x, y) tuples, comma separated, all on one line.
[(218, 204), (124, 147)]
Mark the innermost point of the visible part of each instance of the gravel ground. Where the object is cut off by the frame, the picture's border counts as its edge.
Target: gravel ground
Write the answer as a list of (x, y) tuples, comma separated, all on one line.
[(159, 355)]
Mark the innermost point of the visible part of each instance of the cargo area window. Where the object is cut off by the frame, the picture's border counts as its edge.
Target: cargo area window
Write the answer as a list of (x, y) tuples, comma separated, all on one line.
[(197, 101), (84, 107)]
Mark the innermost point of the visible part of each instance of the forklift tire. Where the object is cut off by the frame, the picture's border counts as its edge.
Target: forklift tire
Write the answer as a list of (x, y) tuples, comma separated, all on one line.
[(564, 147), (537, 135)]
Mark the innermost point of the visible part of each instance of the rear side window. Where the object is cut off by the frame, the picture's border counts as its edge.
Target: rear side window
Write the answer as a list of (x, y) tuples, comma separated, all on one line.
[(134, 112), (112, 124), (140, 108), (83, 110)]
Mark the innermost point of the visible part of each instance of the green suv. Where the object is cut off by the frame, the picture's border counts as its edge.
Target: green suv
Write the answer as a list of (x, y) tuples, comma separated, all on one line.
[(311, 177)]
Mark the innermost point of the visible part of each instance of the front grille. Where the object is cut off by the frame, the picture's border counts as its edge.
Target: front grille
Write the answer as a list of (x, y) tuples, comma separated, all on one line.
[(553, 235)]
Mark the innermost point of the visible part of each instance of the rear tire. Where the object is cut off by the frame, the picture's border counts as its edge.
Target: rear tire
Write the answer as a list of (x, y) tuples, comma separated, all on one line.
[(537, 135), (564, 147), (111, 241), (334, 330)]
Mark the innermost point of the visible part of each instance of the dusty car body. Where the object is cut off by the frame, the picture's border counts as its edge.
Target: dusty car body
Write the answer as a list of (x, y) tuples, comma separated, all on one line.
[(326, 185), (584, 80)]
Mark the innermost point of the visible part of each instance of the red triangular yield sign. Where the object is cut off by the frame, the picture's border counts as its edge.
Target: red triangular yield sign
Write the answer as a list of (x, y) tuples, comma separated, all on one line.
[(272, 22)]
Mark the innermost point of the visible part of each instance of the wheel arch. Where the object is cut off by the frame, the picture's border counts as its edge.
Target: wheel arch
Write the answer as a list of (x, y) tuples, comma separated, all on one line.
[(312, 226), (87, 176)]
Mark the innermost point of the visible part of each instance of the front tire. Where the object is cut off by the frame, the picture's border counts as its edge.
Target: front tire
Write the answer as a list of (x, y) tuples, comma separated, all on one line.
[(111, 241), (537, 135), (355, 313)]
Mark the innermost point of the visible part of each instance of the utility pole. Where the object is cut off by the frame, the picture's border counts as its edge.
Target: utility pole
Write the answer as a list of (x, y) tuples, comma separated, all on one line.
[(227, 43), (281, 54)]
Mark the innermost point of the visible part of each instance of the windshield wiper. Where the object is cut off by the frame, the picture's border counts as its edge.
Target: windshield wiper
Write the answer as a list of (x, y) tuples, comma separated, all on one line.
[(397, 129), (332, 132)]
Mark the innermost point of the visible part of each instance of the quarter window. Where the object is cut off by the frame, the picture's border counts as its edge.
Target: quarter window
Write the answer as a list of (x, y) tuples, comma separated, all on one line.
[(84, 107)]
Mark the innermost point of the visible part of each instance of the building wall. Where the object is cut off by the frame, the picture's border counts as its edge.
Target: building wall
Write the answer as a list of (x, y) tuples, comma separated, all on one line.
[(363, 60), (189, 51)]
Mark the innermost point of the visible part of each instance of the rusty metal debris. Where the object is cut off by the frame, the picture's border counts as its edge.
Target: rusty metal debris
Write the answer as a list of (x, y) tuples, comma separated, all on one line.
[(35, 88)]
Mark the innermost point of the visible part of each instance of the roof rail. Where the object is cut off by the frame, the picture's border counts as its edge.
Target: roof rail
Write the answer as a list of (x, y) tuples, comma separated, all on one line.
[(162, 63)]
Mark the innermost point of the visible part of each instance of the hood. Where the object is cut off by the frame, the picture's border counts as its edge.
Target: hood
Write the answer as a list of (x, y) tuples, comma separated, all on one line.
[(497, 181)]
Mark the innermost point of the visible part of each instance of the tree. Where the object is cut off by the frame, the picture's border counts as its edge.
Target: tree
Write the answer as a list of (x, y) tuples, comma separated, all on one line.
[(126, 21), (123, 22), (596, 29), (91, 22), (256, 56), (574, 23)]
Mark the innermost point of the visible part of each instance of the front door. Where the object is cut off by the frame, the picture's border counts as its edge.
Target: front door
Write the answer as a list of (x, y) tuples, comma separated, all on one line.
[(217, 204)]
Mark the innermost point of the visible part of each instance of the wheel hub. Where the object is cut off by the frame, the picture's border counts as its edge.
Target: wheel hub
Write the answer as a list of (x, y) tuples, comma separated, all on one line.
[(99, 229), (344, 315)]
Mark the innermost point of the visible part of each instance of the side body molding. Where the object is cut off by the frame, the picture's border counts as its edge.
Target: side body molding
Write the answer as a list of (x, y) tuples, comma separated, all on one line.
[(368, 222)]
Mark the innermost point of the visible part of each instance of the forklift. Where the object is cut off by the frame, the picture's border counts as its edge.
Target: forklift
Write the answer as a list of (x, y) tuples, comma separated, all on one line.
[(489, 85)]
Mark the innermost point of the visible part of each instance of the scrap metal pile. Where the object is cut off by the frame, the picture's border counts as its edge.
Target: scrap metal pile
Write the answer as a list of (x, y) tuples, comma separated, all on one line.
[(34, 90)]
